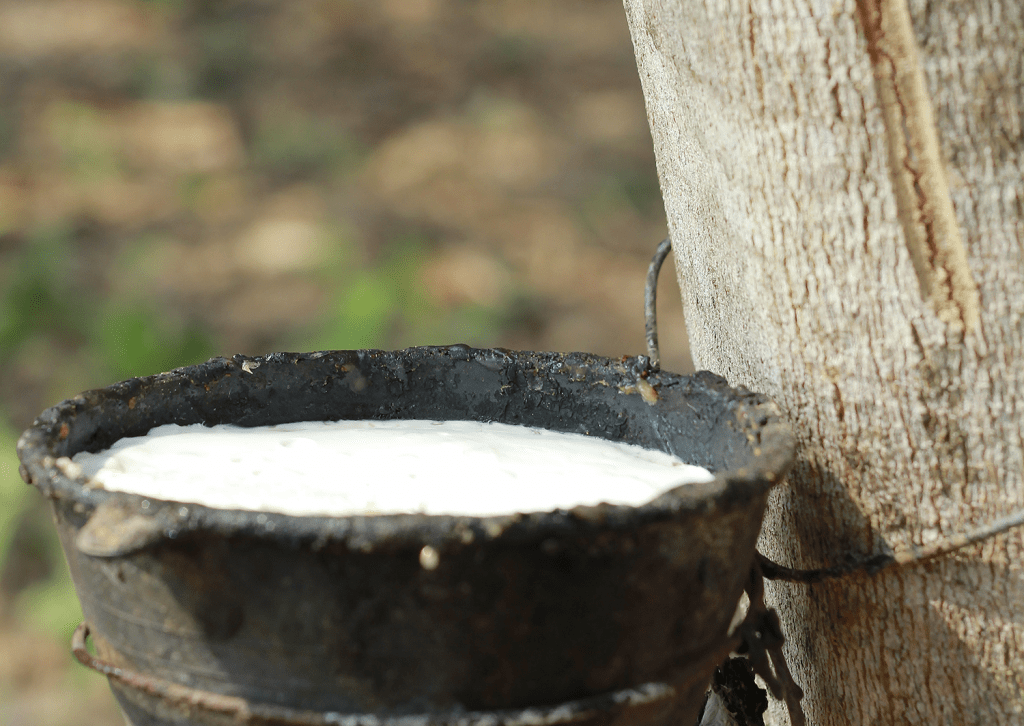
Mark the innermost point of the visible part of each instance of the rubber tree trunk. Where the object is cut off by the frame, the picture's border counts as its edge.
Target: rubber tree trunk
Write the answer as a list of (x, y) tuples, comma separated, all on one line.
[(845, 194)]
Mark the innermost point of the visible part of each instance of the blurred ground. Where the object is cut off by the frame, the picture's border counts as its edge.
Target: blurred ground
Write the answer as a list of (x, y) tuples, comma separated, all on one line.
[(186, 179)]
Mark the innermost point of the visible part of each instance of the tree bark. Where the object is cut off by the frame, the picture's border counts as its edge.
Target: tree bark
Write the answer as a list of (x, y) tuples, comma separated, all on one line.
[(844, 185)]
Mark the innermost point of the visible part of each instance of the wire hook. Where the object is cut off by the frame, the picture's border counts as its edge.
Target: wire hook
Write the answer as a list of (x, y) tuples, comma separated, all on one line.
[(650, 302)]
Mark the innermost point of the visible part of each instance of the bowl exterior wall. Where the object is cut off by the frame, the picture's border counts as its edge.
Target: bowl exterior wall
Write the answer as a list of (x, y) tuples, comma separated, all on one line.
[(337, 615), (495, 625)]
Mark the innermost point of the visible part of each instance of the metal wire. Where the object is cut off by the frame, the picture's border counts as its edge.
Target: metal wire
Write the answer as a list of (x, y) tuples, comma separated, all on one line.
[(910, 554), (208, 707), (194, 699), (650, 302)]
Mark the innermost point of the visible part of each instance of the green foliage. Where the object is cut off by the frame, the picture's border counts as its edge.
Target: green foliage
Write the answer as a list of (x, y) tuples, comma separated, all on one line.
[(641, 189), (87, 142), (8, 128), (384, 305), (51, 605), (511, 55), (135, 341), (40, 294), (191, 188), (476, 325), (370, 300), (364, 310), (125, 335), (302, 145), (623, 189), (13, 491), (227, 50)]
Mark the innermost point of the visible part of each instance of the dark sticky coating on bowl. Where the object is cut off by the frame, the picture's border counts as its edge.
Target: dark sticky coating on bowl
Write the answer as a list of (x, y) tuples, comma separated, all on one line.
[(337, 613)]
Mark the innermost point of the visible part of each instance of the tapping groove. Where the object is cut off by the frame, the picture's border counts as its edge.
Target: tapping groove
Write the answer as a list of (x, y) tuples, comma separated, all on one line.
[(917, 171)]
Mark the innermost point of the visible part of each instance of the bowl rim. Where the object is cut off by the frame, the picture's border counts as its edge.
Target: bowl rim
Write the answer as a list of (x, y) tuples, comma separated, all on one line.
[(150, 519)]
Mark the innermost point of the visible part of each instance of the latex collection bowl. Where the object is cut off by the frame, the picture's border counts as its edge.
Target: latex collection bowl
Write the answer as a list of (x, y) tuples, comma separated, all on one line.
[(588, 615)]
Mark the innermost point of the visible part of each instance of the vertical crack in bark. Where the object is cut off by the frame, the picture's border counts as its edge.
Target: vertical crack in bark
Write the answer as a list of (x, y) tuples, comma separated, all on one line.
[(916, 167)]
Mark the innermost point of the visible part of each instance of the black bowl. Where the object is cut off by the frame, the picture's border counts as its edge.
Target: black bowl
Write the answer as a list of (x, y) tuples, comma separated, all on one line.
[(598, 610)]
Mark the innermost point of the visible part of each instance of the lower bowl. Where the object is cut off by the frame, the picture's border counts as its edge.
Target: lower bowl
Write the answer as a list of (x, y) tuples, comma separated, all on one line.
[(200, 615)]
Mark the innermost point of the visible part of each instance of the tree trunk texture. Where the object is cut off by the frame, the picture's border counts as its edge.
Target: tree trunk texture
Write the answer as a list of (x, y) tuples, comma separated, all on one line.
[(845, 194)]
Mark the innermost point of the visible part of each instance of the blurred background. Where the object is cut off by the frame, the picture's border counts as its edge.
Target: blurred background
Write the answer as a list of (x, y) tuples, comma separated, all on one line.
[(184, 179)]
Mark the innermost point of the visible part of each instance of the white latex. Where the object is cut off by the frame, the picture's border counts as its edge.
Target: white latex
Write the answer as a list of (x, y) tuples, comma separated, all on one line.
[(380, 467)]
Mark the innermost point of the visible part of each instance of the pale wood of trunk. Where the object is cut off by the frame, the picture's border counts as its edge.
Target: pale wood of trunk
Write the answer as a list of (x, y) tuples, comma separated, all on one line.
[(844, 183)]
